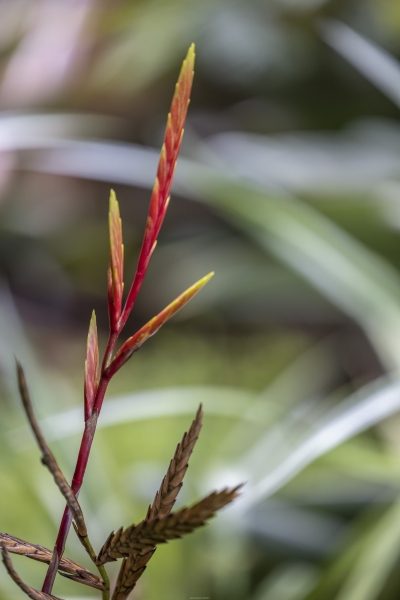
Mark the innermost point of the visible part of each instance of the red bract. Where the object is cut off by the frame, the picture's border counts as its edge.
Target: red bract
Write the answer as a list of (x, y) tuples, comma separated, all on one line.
[(165, 172)]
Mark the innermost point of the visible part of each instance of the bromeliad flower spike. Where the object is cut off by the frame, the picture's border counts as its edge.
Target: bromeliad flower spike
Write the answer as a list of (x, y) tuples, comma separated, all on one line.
[(135, 545)]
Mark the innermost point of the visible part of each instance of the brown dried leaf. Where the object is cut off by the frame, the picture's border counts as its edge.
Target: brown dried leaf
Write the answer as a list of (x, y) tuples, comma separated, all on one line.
[(31, 592), (48, 458), (67, 567)]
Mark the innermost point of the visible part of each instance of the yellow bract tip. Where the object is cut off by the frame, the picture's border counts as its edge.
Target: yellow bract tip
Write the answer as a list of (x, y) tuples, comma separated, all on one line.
[(205, 279), (191, 50), (113, 200), (196, 287), (190, 56), (92, 328)]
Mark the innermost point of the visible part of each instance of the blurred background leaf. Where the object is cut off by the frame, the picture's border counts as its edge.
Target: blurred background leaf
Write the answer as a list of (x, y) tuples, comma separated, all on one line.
[(289, 188)]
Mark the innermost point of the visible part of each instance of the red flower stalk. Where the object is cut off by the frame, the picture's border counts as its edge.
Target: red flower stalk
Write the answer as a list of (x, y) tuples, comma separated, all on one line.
[(96, 380), (165, 172)]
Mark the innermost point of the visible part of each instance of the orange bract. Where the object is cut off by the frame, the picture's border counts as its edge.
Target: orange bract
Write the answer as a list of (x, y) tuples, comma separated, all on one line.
[(133, 343)]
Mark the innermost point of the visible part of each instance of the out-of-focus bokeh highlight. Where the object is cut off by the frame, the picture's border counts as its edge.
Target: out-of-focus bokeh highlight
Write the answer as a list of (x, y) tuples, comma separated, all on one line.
[(288, 186)]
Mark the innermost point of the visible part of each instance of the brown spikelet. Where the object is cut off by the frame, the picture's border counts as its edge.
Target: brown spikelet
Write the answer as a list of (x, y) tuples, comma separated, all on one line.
[(147, 534), (31, 592), (48, 458), (67, 567), (166, 496), (132, 569), (104, 555), (104, 550)]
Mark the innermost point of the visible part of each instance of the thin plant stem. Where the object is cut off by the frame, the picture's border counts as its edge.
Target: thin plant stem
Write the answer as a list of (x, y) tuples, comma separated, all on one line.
[(81, 464), (90, 550)]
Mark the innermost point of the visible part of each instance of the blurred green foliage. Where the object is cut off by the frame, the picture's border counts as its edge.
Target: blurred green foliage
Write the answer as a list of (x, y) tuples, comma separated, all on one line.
[(289, 188)]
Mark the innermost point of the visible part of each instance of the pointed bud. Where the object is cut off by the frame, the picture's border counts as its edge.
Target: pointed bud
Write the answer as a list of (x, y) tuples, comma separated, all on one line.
[(116, 261), (92, 368)]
